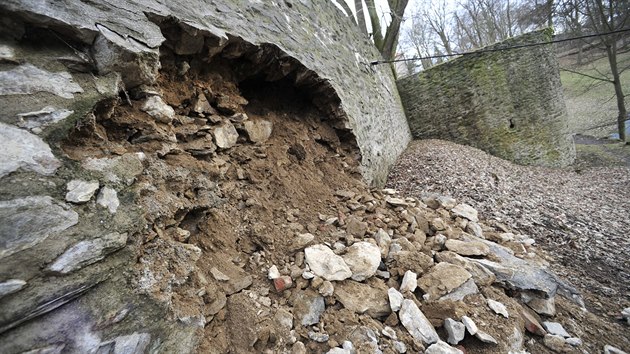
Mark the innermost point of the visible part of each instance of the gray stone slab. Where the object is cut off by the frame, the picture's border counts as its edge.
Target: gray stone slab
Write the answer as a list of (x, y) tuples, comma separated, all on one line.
[(23, 150), (28, 221), (27, 79), (87, 252)]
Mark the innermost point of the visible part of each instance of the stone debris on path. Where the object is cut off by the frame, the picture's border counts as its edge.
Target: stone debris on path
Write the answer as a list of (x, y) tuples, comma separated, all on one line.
[(419, 295)]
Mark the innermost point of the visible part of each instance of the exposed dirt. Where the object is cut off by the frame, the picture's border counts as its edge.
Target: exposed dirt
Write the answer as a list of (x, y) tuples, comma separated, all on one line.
[(230, 210), (579, 216)]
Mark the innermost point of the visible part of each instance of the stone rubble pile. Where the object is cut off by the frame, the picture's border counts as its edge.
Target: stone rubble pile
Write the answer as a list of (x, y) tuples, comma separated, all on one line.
[(403, 275)]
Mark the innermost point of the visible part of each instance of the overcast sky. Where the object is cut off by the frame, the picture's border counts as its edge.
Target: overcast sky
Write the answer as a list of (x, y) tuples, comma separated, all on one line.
[(383, 9)]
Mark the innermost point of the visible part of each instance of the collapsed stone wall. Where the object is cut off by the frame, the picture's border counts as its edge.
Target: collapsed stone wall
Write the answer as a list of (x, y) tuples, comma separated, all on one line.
[(508, 103), (140, 169), (333, 56)]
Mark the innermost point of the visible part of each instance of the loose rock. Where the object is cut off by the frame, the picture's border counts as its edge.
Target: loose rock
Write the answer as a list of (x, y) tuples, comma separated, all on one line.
[(273, 273), (555, 343), (609, 349), (446, 202), (282, 283), (443, 279), (467, 248), (225, 135), (456, 331), (545, 307), (326, 289), (158, 109), (470, 325), (308, 307), (81, 191), (258, 131), (468, 288), (531, 324), (355, 227), (389, 332), (409, 282), (318, 337), (300, 241), (625, 314), (576, 342), (465, 211), (485, 337), (416, 323), (108, 199), (442, 348), (298, 348), (556, 328), (363, 258), (201, 105), (326, 264), (400, 347), (395, 299), (498, 308), (364, 298), (383, 240), (474, 229)]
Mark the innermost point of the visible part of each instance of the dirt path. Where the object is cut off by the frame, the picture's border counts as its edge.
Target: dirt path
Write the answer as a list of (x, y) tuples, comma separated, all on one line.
[(595, 152), (579, 215)]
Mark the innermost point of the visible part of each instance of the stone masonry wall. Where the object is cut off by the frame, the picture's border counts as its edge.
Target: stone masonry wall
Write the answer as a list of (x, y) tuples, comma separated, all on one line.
[(507, 103)]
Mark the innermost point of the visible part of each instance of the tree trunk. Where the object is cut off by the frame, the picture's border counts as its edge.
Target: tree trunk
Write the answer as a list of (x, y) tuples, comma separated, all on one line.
[(346, 9), (549, 13), (376, 25), (509, 20), (611, 50), (445, 42), (391, 37), (358, 5)]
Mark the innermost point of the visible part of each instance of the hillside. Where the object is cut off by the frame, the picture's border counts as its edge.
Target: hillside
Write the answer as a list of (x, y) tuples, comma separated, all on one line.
[(591, 104)]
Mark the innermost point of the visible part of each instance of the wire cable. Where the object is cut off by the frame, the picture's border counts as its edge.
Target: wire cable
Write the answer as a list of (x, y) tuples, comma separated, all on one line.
[(489, 50)]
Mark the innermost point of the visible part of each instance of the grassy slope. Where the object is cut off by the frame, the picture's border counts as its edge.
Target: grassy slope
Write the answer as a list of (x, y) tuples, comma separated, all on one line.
[(591, 103)]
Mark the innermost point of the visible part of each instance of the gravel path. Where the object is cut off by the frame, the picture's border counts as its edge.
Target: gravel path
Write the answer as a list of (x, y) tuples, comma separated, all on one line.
[(582, 219)]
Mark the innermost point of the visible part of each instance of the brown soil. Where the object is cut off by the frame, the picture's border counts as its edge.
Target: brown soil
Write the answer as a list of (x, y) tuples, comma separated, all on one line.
[(239, 205)]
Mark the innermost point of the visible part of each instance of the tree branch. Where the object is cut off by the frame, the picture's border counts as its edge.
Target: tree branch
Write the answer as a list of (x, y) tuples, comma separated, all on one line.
[(592, 77), (346, 9)]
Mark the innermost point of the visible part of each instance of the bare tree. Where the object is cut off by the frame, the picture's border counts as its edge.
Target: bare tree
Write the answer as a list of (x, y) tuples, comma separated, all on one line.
[(386, 44), (608, 16), (346, 9), (438, 18), (570, 17), (482, 22), (358, 5), (419, 37), (397, 10)]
